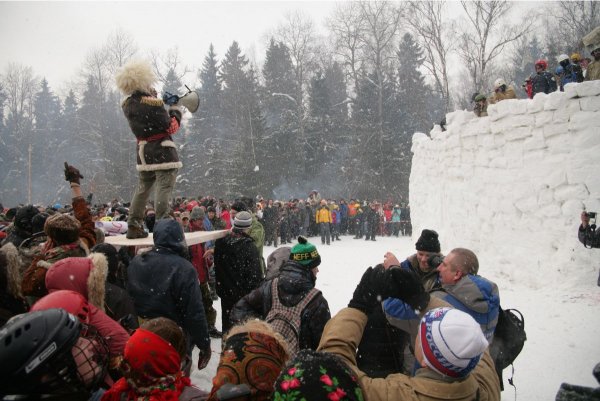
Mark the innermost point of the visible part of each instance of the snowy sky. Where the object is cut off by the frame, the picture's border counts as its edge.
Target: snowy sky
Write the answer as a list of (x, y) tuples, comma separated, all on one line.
[(54, 37)]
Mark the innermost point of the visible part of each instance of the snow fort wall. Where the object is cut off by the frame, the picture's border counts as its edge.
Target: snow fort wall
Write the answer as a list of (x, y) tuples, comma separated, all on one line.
[(511, 186)]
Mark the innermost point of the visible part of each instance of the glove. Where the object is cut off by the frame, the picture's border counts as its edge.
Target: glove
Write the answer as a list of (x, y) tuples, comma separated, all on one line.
[(72, 174), (204, 358), (370, 290), (406, 285)]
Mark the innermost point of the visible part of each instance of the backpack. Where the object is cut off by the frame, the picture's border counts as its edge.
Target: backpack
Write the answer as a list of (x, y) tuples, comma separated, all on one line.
[(509, 339), (286, 320)]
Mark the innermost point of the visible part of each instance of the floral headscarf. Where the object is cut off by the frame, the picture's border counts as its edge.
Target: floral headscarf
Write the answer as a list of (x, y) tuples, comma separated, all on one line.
[(255, 359), (152, 371), (315, 376)]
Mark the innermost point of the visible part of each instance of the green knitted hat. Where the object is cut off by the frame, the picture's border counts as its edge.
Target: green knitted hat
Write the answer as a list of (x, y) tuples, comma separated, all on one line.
[(305, 253)]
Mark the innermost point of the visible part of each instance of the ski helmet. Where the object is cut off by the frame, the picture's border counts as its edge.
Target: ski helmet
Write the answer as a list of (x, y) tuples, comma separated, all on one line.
[(575, 57), (562, 57), (35, 349)]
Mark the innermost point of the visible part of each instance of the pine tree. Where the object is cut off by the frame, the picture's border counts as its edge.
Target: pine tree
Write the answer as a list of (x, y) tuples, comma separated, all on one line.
[(47, 135), (279, 106), (243, 122), (204, 150)]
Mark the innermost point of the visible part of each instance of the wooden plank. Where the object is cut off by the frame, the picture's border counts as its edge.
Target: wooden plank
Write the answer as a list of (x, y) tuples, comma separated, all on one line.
[(190, 238)]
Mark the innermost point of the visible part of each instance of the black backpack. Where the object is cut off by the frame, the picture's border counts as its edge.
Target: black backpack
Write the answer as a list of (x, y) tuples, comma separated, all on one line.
[(509, 338)]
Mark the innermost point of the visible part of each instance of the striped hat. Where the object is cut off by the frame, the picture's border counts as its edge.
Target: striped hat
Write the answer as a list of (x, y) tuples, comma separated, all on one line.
[(242, 220), (452, 342)]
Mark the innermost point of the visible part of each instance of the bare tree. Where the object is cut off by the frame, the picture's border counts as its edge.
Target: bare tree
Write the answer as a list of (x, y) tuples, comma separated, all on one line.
[(569, 22), (168, 65), (436, 37), (488, 34), (120, 47), (348, 27)]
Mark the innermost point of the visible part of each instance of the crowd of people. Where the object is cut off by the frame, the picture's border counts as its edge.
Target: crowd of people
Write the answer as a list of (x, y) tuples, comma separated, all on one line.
[(573, 68), (123, 325)]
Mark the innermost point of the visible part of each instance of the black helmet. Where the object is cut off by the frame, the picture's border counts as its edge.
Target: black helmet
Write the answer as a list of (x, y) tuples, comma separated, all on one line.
[(41, 353)]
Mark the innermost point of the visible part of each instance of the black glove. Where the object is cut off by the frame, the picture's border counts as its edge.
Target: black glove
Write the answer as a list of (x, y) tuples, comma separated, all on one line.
[(204, 357), (370, 290), (72, 174), (404, 284)]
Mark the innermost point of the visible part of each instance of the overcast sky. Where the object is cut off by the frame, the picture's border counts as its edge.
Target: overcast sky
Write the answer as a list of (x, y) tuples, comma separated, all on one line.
[(54, 37)]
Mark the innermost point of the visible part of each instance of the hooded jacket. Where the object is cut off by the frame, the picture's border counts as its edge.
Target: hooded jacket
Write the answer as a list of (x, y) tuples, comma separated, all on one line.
[(295, 281), (163, 283), (87, 276), (472, 294)]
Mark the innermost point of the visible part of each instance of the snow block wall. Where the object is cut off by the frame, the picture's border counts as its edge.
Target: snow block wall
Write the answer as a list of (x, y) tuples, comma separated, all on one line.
[(511, 186)]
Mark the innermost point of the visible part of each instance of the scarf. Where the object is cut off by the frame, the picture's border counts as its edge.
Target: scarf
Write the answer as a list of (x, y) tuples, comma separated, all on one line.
[(152, 371), (254, 359)]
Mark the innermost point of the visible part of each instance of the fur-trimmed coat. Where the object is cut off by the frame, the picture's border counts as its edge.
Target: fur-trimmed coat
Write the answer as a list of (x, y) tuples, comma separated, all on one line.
[(11, 300), (33, 283), (153, 126)]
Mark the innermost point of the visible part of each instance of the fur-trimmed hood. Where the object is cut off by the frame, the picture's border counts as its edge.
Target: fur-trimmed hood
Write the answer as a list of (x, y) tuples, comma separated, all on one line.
[(86, 276), (11, 272)]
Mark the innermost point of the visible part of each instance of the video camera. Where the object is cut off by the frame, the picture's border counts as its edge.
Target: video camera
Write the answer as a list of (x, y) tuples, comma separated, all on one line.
[(592, 217)]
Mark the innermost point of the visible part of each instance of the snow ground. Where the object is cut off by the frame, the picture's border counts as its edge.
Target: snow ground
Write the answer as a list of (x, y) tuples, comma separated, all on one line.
[(561, 318)]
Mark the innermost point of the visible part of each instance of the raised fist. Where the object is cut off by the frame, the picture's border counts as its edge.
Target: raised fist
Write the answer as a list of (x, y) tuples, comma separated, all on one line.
[(72, 174)]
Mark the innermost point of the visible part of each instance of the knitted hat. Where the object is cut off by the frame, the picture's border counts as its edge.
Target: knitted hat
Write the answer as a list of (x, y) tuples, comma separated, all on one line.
[(242, 220), (452, 341), (197, 213), (62, 228), (305, 253), (428, 241), (317, 376)]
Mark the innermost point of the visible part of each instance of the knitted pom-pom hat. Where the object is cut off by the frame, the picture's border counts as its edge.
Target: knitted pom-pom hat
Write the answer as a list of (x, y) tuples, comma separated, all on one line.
[(305, 253)]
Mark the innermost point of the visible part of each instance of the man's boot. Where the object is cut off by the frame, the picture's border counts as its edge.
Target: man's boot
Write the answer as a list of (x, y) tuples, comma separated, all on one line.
[(214, 332), (134, 232)]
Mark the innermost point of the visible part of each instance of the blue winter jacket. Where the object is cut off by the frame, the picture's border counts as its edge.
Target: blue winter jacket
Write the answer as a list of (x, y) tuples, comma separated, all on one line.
[(472, 294)]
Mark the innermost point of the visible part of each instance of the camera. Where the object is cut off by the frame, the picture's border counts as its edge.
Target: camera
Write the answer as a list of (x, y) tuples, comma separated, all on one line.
[(434, 261), (592, 217)]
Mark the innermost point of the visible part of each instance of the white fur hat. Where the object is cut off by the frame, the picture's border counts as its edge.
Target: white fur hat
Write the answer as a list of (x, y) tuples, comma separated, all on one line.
[(135, 76)]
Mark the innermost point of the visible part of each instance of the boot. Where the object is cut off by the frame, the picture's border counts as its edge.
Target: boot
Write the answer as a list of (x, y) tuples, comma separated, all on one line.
[(214, 332), (134, 232)]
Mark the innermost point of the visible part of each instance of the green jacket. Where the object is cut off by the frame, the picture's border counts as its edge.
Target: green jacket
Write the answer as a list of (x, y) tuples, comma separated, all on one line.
[(257, 233)]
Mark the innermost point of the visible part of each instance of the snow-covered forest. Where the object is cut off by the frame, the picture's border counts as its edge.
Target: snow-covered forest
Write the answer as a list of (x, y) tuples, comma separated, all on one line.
[(332, 107)]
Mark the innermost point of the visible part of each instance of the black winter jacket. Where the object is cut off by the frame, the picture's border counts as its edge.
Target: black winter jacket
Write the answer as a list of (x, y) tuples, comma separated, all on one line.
[(237, 266), (163, 283), (295, 281)]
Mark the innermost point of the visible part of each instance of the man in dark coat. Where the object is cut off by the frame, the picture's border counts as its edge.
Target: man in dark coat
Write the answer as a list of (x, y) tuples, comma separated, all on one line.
[(163, 283), (237, 266), (296, 279)]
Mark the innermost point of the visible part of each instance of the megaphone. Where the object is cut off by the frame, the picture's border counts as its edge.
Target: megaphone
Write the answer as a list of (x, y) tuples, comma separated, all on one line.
[(190, 100)]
